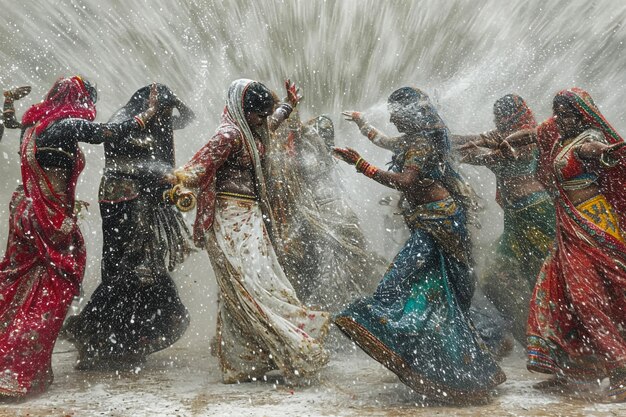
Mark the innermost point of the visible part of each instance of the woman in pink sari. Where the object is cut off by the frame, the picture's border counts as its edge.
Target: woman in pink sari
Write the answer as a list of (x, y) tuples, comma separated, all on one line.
[(45, 258), (576, 327)]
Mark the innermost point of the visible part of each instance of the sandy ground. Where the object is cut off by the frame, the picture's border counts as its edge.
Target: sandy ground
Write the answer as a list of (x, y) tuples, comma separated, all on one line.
[(185, 382)]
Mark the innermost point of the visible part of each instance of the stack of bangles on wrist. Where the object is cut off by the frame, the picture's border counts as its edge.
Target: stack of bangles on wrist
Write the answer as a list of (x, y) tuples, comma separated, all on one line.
[(366, 168)]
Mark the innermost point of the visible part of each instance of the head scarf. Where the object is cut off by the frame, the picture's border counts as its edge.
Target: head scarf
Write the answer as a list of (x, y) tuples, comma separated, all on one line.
[(159, 128), (235, 108), (138, 103), (513, 114), (581, 101), (611, 180), (68, 98), (415, 105)]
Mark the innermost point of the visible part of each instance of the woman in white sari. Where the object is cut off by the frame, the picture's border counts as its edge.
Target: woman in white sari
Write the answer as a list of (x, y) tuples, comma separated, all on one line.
[(262, 326)]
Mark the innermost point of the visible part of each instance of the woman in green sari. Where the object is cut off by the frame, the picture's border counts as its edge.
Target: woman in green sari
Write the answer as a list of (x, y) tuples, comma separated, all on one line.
[(529, 217)]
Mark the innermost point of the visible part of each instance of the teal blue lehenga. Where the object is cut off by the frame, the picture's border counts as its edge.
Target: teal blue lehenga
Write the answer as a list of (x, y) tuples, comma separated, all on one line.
[(416, 323)]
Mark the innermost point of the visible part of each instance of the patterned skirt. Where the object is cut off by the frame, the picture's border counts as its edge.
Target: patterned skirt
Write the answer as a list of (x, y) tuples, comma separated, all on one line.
[(262, 325), (416, 322), (511, 274)]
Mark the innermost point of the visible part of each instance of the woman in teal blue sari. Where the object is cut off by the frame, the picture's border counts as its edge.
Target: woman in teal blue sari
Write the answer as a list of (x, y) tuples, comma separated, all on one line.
[(417, 322)]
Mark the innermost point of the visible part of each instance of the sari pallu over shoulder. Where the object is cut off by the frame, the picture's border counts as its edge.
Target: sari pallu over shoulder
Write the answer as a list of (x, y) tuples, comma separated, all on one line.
[(39, 275), (576, 315)]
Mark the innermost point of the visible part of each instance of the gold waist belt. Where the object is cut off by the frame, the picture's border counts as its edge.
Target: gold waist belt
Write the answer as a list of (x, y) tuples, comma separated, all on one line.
[(236, 195)]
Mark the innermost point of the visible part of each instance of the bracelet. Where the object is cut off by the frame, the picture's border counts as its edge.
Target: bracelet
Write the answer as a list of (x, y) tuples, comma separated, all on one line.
[(366, 168), (611, 162), (285, 108), (141, 123)]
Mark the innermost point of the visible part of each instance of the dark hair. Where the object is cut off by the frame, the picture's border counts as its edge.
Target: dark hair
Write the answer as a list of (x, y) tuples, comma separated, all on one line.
[(257, 98), (507, 106), (139, 103), (564, 100), (407, 95), (91, 90)]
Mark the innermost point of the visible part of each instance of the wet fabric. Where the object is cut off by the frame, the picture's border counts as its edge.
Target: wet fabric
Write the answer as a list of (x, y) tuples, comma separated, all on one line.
[(262, 325), (577, 315), (40, 274), (68, 98), (319, 239), (136, 309), (511, 272), (259, 311), (416, 323)]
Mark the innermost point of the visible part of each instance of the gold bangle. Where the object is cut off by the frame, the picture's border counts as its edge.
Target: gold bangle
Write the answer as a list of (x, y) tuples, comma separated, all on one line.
[(610, 163)]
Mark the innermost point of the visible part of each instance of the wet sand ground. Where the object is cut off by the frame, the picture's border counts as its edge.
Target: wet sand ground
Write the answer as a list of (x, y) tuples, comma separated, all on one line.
[(185, 382)]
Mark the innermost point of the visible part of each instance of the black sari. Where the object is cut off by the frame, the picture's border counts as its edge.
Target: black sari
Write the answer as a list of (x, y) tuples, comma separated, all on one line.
[(136, 310)]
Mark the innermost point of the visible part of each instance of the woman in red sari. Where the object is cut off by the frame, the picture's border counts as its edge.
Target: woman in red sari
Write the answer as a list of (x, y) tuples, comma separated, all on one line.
[(577, 322), (45, 257)]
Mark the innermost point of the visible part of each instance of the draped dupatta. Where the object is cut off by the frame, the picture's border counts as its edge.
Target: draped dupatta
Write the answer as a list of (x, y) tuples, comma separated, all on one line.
[(45, 259), (234, 106)]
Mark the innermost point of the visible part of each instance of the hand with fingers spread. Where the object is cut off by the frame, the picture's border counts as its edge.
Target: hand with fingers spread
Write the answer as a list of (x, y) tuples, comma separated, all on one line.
[(293, 93), (348, 155), (17, 92), (153, 104), (352, 157), (354, 116)]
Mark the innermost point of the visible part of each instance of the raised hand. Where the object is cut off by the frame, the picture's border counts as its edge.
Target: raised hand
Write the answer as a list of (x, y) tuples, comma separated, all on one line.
[(17, 92), (293, 93), (348, 155), (353, 116), (153, 99)]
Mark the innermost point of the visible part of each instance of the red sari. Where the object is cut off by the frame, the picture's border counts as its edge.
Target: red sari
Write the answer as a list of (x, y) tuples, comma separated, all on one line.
[(45, 258), (578, 310)]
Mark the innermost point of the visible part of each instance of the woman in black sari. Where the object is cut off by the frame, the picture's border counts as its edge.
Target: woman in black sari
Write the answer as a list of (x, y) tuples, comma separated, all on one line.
[(136, 311)]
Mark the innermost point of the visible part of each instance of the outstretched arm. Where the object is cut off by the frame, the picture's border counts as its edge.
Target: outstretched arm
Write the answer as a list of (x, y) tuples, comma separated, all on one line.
[(520, 138), (489, 139), (204, 164), (596, 148), (81, 130), (402, 181), (375, 136)]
